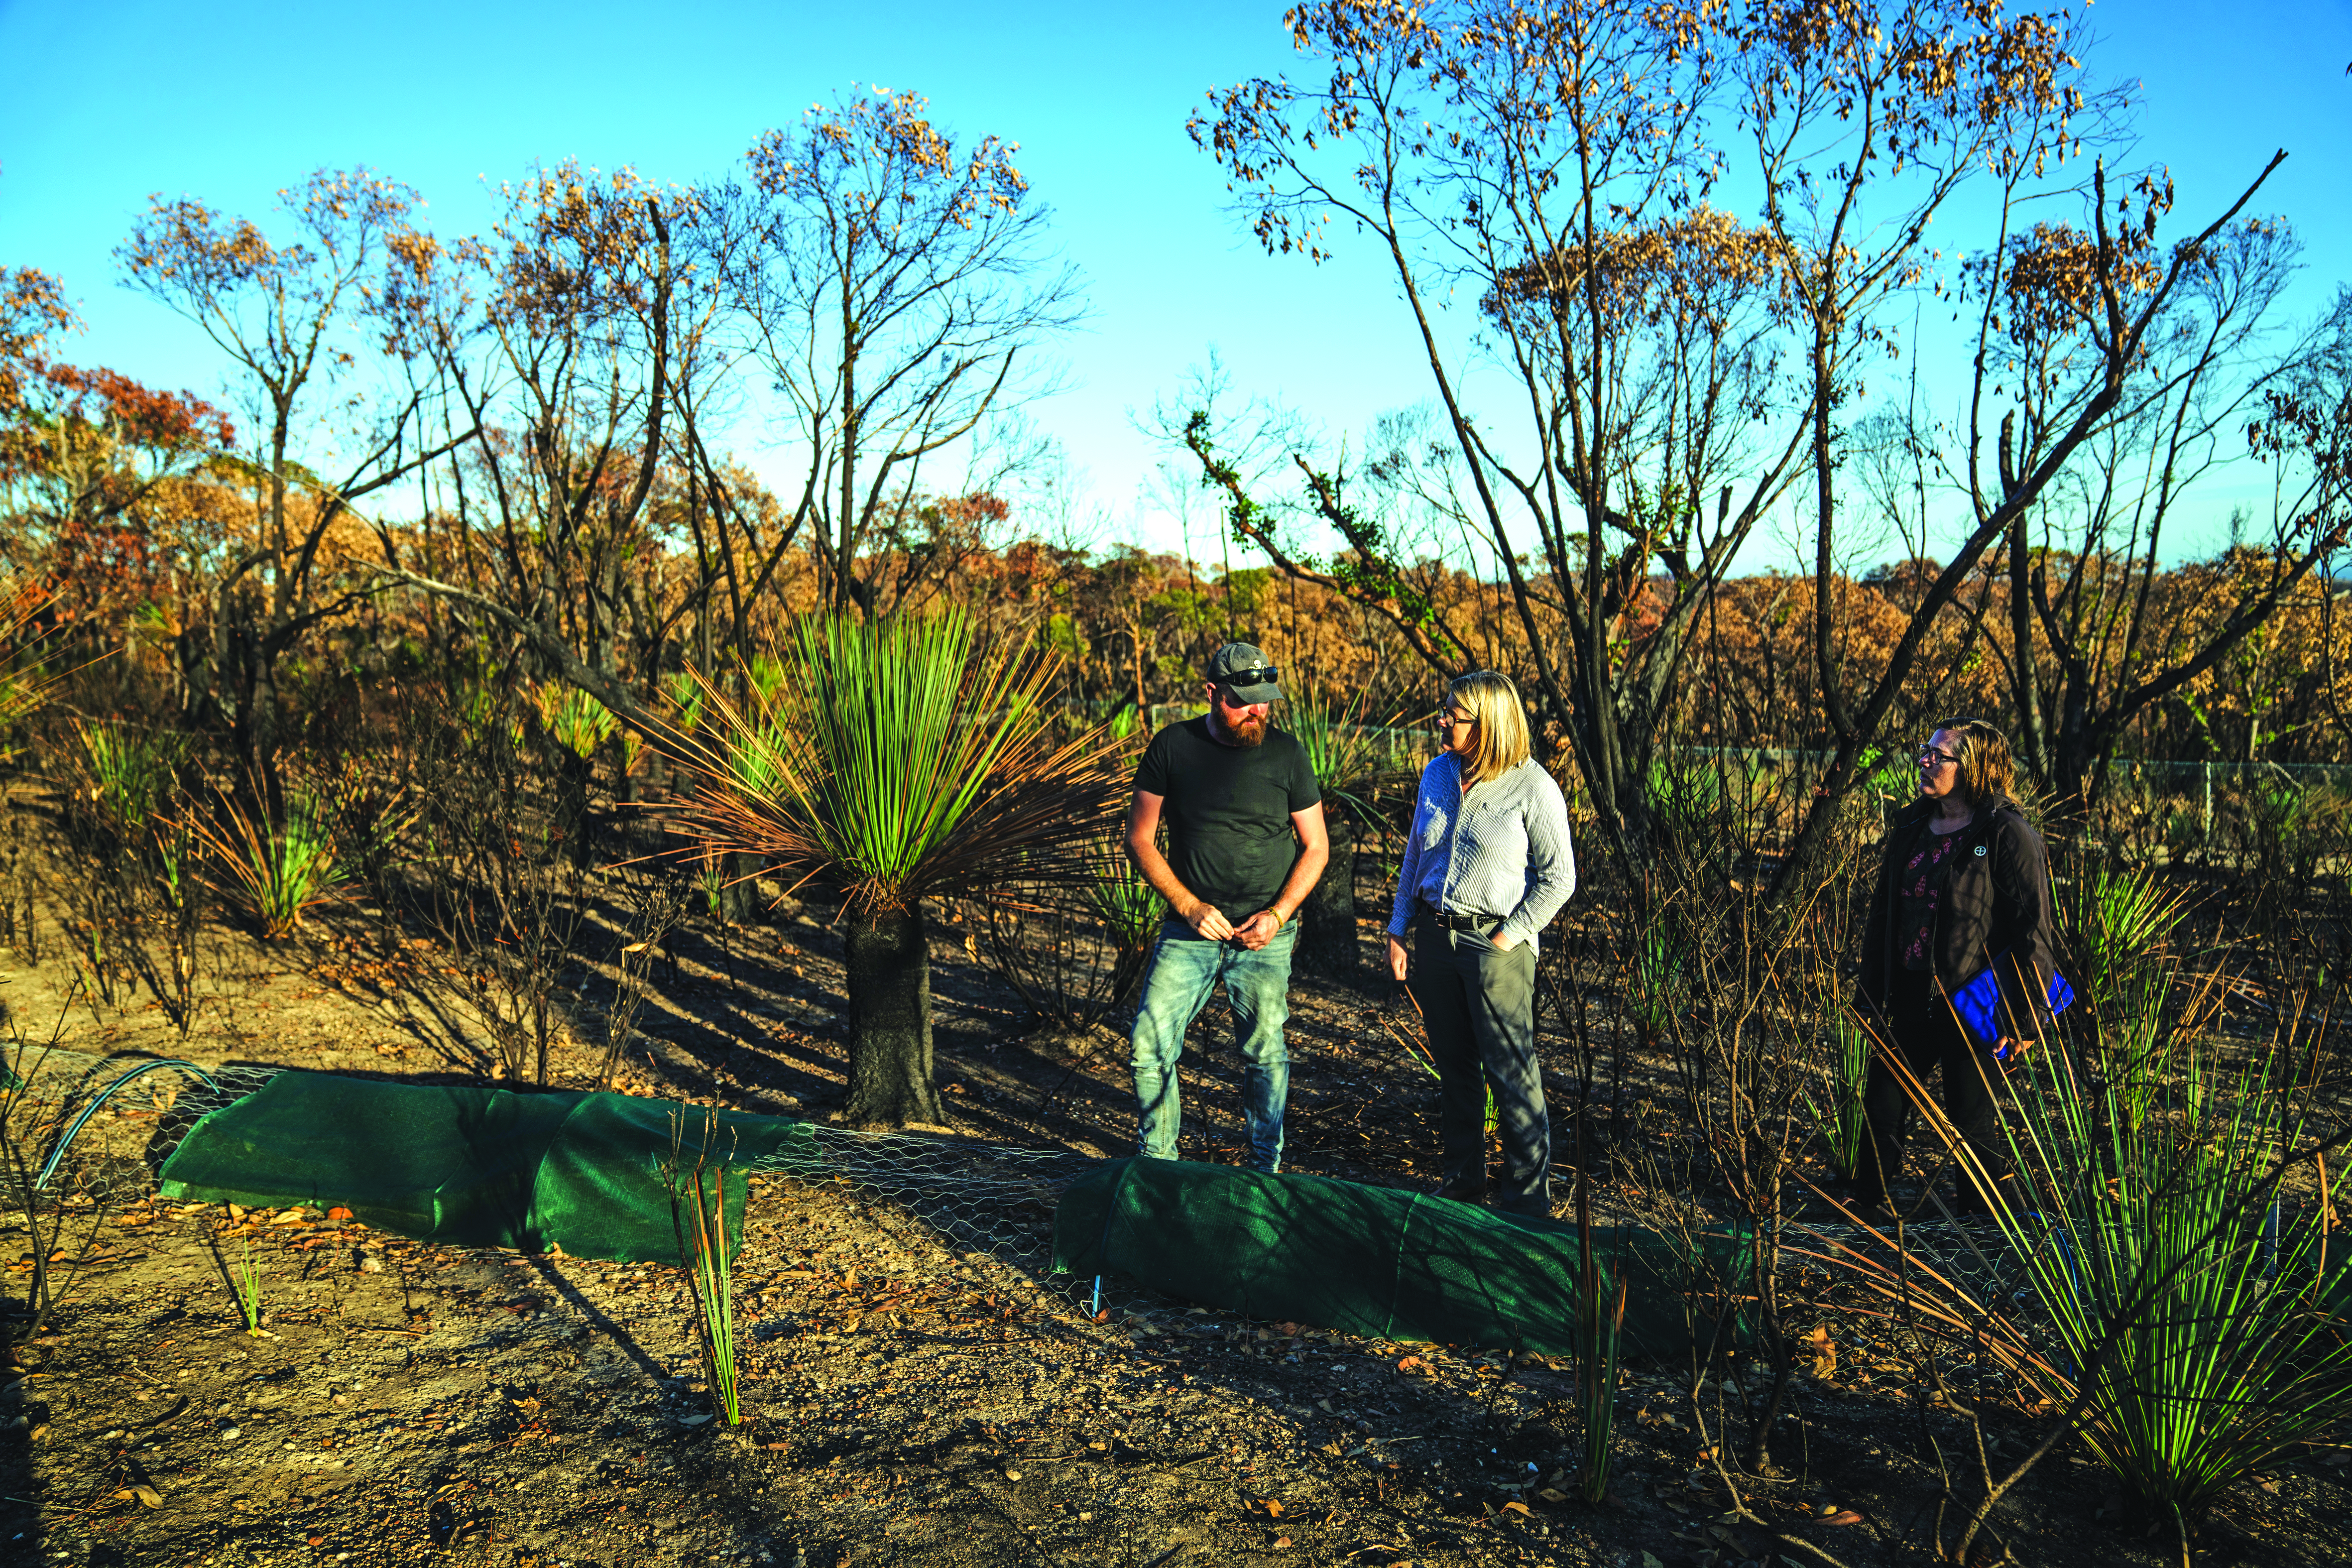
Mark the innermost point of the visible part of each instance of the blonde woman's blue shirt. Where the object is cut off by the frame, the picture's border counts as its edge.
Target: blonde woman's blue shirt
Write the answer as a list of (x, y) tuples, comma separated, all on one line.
[(1503, 852)]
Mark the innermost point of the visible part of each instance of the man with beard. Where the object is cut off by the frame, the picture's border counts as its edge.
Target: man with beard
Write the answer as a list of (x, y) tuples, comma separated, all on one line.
[(1245, 845)]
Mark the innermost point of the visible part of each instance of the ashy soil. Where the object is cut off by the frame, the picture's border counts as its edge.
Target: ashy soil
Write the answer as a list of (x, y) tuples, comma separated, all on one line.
[(910, 1396)]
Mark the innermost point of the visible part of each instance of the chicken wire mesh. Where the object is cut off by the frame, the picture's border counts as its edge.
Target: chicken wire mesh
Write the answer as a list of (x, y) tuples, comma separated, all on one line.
[(102, 1127), (990, 1198)]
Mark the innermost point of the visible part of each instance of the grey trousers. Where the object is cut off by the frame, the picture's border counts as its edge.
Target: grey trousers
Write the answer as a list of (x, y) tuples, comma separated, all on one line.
[(1479, 1006)]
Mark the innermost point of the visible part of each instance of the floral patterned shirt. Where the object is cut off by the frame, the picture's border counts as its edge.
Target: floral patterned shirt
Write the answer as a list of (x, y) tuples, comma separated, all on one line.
[(1916, 889)]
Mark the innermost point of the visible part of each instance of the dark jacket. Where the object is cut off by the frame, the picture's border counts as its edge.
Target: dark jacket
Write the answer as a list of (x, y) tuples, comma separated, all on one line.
[(1996, 900)]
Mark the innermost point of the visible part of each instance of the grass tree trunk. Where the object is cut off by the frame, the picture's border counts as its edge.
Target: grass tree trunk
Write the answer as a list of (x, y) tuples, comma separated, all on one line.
[(738, 892), (890, 1076), (1327, 921), (574, 775)]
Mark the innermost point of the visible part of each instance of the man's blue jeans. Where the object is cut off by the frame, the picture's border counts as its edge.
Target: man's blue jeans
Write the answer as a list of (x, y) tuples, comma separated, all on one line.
[(1185, 969)]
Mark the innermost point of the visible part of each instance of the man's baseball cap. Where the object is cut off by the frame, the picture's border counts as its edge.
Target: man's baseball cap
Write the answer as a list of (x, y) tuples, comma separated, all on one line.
[(1243, 671)]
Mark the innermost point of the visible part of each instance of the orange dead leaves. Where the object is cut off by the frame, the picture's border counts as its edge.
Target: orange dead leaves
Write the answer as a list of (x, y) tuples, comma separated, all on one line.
[(33, 308), (2056, 275), (136, 414), (103, 462), (880, 161), (1698, 264)]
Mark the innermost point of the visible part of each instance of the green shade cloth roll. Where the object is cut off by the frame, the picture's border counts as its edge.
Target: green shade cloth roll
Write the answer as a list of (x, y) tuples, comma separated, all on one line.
[(1375, 1261), (475, 1167)]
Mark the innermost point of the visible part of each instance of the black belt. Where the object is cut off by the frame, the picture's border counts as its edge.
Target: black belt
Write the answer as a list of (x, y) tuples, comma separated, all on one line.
[(1479, 923)]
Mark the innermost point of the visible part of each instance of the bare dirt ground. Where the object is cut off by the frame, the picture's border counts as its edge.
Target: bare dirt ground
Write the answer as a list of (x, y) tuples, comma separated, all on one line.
[(910, 1399)]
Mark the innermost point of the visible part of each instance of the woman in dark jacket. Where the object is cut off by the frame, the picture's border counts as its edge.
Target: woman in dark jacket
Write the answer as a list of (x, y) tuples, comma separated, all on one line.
[(1963, 885)]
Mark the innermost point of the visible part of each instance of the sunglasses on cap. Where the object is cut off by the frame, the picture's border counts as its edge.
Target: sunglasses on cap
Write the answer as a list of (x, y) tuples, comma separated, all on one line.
[(1257, 677)]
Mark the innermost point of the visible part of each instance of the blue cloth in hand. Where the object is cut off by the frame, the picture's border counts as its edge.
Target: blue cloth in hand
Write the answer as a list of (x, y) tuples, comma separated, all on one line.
[(1979, 1004)]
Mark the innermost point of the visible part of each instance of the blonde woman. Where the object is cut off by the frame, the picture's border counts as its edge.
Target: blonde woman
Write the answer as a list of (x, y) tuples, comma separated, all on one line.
[(1486, 867)]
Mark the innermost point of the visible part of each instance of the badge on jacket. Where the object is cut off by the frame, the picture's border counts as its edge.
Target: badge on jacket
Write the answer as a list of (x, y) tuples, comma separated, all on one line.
[(1981, 849)]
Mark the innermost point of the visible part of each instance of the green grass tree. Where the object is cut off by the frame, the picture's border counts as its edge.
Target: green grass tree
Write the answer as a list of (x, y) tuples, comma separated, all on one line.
[(900, 761)]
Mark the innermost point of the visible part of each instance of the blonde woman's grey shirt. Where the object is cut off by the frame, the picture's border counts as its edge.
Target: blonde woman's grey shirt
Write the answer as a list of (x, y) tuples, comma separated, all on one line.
[(1503, 853)]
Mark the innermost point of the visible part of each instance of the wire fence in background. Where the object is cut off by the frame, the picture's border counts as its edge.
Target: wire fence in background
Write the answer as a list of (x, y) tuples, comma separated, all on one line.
[(1410, 745)]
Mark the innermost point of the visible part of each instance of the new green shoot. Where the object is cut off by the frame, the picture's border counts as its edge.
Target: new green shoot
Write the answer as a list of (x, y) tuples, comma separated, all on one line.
[(247, 1276)]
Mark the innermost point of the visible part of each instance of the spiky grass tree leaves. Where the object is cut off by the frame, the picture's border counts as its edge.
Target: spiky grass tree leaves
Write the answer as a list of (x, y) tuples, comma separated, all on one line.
[(2170, 1263), (1839, 1116), (1129, 908), (274, 873), (1348, 752), (899, 760), (2122, 921), (2179, 1256)]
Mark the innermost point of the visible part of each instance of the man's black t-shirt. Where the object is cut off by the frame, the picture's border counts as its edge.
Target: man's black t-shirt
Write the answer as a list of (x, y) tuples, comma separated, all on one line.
[(1228, 812)]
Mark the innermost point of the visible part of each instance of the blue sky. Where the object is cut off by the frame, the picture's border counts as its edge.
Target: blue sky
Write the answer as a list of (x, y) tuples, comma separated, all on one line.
[(107, 103)]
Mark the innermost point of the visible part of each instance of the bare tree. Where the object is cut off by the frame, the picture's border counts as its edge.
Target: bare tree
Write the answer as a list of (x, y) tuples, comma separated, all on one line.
[(1865, 120), (2128, 311), (2092, 645), (740, 533), (1536, 177), (899, 283), (298, 319), (604, 295)]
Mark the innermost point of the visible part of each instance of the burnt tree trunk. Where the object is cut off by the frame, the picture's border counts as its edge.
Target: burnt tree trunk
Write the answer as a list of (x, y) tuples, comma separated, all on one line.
[(1327, 945), (739, 893), (890, 1074)]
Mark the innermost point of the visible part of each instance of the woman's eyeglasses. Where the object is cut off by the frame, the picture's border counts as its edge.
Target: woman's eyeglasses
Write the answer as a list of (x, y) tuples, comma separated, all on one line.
[(1929, 754), (1455, 719)]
